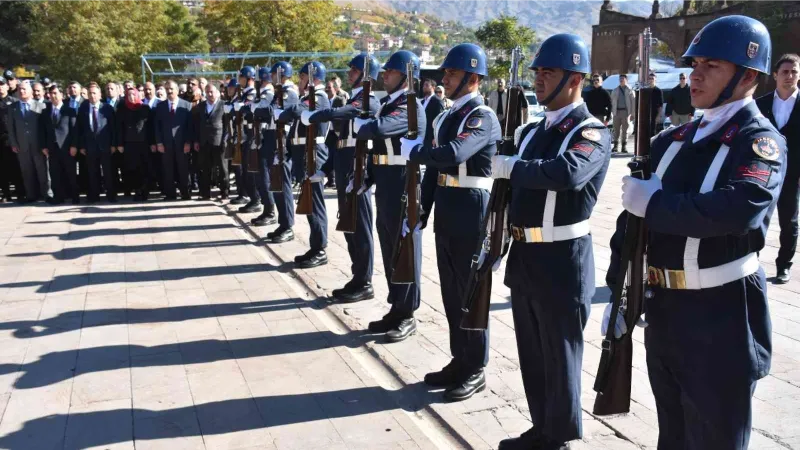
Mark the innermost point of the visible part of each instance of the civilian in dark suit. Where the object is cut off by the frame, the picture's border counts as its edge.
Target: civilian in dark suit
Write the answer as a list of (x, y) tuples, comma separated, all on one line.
[(172, 136), (74, 100), (208, 134), (59, 123), (96, 138), (27, 139), (115, 98), (433, 107), (782, 109), (135, 136)]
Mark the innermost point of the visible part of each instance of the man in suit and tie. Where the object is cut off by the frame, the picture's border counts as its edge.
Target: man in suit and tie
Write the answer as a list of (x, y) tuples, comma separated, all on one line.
[(172, 134), (783, 110), (150, 98), (96, 138), (433, 107), (26, 135), (59, 121), (74, 100), (207, 134)]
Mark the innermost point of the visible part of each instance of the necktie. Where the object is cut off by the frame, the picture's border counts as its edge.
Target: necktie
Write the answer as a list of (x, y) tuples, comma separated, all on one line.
[(172, 108), (55, 114), (24, 109), (94, 116)]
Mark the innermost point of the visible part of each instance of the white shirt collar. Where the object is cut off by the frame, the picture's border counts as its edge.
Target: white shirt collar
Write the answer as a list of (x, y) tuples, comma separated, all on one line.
[(715, 118), (395, 95), (792, 97), (58, 106), (461, 101), (555, 117), (356, 91)]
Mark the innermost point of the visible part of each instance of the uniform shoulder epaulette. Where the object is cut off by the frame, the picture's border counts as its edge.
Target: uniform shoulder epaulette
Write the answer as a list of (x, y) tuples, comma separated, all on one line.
[(518, 132)]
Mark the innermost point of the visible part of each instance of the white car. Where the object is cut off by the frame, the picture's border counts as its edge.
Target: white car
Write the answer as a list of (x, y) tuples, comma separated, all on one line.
[(533, 105)]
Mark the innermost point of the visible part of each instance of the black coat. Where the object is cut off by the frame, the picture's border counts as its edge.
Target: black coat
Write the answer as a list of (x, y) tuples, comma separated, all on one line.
[(791, 131), (208, 129), (59, 133), (134, 125)]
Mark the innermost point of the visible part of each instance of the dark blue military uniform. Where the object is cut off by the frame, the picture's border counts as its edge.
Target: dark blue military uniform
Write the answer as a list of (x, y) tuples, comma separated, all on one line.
[(284, 202), (318, 219), (550, 267), (245, 178), (386, 169), (266, 152), (360, 245), (708, 334), (458, 179)]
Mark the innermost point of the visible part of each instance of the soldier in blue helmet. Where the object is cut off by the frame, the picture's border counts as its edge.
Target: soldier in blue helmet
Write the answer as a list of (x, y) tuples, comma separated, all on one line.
[(268, 112), (360, 245), (312, 78), (458, 162), (556, 178), (707, 206), (387, 171), (265, 152), (249, 195)]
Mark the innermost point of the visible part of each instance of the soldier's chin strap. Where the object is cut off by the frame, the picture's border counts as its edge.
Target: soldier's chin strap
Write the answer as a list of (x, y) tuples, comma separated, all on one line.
[(726, 93), (464, 81), (558, 88), (399, 85)]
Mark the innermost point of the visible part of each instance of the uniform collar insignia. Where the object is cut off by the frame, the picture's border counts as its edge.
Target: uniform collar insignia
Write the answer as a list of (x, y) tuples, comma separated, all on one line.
[(681, 133), (566, 125), (729, 134)]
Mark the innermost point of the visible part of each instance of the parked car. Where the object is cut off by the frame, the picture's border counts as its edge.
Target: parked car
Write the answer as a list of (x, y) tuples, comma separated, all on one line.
[(533, 104)]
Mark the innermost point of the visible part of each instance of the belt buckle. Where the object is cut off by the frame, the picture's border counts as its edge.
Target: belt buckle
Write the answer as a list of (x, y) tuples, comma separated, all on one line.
[(536, 234), (453, 181), (675, 278), (517, 234)]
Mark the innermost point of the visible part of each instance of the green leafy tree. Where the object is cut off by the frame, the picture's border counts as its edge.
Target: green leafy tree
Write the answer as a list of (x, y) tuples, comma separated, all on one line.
[(103, 41), (501, 35), (14, 40)]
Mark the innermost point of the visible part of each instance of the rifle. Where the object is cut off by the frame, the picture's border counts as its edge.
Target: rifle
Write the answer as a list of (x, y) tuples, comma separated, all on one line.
[(253, 161), (403, 267), (613, 382), (494, 242), (276, 170), (305, 201), (228, 124), (348, 217), (237, 150)]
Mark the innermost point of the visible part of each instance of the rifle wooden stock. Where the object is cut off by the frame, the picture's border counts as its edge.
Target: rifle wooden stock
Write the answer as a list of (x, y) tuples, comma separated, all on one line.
[(305, 201), (348, 217), (252, 155), (276, 170), (237, 149), (404, 267), (613, 381), (494, 241)]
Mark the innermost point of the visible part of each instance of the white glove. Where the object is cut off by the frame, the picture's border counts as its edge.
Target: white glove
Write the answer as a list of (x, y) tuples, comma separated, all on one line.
[(305, 117), (228, 109), (636, 193), (317, 177), (359, 122), (276, 113), (349, 188), (406, 229), (276, 161), (237, 106), (503, 165), (620, 327), (406, 145)]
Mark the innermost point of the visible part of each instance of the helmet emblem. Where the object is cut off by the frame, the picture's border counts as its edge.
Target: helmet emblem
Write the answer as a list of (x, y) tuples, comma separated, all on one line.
[(752, 50), (697, 37), (576, 59), (473, 63)]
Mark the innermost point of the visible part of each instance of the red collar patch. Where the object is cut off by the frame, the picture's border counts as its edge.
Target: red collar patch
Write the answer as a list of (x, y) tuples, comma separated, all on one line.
[(729, 134), (681, 133), (566, 125)]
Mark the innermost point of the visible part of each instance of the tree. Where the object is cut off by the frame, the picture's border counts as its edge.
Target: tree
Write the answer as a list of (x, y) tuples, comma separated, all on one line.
[(502, 35), (14, 40), (103, 41)]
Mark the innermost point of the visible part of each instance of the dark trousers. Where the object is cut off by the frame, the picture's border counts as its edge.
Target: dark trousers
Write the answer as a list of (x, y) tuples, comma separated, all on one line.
[(330, 168), (787, 219), (98, 164), (209, 158), (469, 348), (119, 168), (238, 180), (33, 165), (63, 174), (703, 365), (137, 167), (552, 285), (284, 201), (175, 160), (249, 178), (194, 169), (10, 174), (361, 244), (265, 155), (390, 186), (318, 219), (83, 173)]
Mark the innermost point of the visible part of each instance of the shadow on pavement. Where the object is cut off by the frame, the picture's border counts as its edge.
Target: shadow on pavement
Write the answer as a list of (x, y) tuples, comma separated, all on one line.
[(78, 252), (75, 235)]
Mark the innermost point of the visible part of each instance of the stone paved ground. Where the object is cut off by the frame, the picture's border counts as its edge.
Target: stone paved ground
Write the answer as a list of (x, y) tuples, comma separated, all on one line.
[(164, 326)]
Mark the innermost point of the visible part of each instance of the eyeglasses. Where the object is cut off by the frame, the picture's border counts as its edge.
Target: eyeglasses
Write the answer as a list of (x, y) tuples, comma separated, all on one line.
[(596, 80)]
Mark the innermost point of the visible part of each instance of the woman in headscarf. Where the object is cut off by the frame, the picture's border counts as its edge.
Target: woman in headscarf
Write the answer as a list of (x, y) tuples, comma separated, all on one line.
[(135, 136)]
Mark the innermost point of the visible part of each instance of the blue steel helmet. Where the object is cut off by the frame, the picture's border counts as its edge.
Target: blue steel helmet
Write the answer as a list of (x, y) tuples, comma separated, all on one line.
[(741, 40), (320, 71), (467, 57), (563, 51), (285, 66), (248, 72), (398, 62), (263, 75), (358, 63), (233, 83)]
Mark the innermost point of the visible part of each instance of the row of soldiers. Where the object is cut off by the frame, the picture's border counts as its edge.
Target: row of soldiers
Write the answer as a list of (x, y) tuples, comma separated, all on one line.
[(707, 207)]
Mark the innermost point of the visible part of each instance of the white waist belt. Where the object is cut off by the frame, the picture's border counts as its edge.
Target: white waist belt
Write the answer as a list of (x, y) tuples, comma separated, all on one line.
[(704, 278), (351, 142), (550, 233), (465, 181), (389, 160), (302, 140)]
